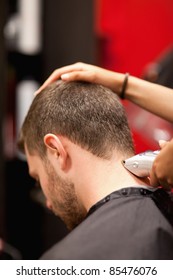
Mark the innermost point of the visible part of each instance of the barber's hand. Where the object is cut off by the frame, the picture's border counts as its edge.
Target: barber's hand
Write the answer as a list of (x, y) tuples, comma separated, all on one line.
[(85, 72), (1, 245), (162, 170)]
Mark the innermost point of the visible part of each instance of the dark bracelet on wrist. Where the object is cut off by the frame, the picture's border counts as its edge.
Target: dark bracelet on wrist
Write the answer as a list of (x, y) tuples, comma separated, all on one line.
[(124, 86)]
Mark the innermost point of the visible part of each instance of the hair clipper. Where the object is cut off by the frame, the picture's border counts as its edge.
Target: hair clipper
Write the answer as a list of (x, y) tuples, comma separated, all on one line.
[(141, 164)]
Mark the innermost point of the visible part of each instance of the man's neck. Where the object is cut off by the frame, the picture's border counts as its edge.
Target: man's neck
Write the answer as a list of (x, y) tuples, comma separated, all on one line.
[(102, 177)]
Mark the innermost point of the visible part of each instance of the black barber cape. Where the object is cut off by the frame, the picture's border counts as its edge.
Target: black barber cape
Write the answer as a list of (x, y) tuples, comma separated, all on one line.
[(132, 223)]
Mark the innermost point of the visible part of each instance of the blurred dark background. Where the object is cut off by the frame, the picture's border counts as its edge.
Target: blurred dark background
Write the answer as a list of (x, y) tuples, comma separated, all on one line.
[(38, 36)]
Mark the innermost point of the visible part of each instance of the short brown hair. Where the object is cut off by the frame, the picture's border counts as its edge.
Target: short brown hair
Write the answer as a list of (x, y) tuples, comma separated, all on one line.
[(89, 115)]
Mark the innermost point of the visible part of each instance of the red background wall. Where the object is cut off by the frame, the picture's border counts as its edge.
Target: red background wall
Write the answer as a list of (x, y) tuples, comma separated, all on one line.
[(131, 34)]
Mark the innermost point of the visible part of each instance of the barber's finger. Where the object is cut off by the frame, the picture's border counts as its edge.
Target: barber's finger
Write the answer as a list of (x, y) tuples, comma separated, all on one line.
[(1, 245), (162, 143), (155, 182), (52, 78), (153, 179), (57, 74), (166, 186), (86, 76)]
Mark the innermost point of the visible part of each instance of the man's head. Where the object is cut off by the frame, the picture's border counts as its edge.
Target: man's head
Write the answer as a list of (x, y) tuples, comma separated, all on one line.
[(89, 116)]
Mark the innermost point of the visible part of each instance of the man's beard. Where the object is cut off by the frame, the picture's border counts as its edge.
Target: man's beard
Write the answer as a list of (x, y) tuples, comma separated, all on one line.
[(63, 199)]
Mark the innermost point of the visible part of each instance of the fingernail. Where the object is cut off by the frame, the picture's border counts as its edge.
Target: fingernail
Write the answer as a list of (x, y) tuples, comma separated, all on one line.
[(36, 92), (65, 76)]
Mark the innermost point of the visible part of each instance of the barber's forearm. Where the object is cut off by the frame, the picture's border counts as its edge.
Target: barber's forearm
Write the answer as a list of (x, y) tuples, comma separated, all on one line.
[(152, 97)]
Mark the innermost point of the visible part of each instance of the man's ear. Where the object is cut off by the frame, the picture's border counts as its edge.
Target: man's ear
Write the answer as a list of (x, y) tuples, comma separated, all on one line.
[(56, 148)]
